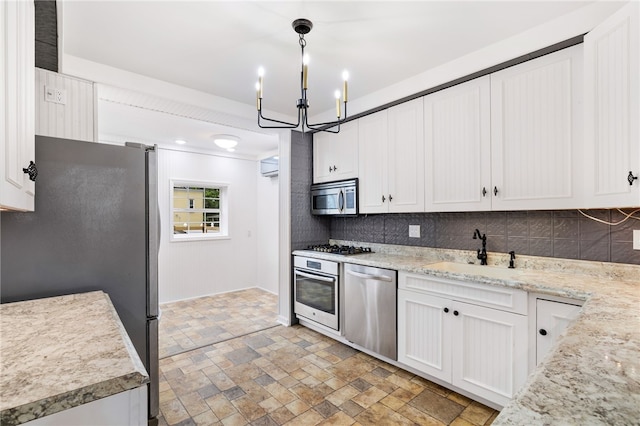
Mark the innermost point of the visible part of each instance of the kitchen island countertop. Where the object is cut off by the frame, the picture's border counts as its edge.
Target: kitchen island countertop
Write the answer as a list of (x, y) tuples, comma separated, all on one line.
[(592, 376), (62, 352)]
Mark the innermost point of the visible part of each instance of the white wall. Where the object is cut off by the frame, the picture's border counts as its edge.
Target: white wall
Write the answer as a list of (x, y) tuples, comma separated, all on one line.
[(267, 232), (190, 269)]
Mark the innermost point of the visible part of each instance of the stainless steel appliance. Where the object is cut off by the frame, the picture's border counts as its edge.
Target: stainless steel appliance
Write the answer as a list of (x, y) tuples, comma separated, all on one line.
[(316, 290), (370, 308), (335, 198), (95, 227)]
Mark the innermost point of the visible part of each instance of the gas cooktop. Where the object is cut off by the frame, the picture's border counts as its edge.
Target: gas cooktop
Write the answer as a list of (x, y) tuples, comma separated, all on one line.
[(336, 249)]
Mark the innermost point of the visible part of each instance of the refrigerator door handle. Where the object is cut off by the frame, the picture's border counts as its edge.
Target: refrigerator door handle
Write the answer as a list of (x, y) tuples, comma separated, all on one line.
[(153, 232)]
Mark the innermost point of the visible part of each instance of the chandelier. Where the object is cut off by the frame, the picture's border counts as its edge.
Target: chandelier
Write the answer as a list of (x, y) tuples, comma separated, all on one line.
[(302, 27)]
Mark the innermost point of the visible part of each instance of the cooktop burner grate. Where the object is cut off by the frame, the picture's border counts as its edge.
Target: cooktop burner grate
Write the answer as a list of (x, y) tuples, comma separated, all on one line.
[(336, 249)]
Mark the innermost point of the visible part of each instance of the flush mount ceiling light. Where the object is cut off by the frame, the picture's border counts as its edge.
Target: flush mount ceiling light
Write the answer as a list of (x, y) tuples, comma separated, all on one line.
[(227, 142), (180, 141), (302, 27)]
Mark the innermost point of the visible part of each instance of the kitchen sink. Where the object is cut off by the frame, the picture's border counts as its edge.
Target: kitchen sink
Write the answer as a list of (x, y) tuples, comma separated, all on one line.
[(478, 270)]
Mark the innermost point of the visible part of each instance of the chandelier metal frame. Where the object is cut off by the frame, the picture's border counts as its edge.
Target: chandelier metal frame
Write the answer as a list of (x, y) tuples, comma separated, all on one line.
[(301, 27)]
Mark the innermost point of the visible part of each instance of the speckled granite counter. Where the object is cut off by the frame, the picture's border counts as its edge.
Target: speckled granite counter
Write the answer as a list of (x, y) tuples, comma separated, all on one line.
[(593, 374), (61, 352)]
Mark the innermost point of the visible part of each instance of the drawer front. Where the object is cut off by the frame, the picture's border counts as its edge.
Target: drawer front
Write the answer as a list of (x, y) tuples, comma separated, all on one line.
[(496, 297)]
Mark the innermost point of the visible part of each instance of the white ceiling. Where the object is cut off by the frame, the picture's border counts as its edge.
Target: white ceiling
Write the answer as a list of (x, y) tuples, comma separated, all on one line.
[(217, 46)]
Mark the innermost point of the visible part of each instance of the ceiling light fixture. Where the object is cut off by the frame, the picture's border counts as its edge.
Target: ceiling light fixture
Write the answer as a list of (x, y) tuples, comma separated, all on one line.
[(180, 141), (302, 27), (226, 141)]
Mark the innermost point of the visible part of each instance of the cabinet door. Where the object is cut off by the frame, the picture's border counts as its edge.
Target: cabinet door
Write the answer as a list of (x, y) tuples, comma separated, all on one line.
[(323, 155), (347, 152), (372, 163), (17, 126), (489, 351), (335, 155), (612, 92), (457, 147), (551, 319), (424, 333), (406, 157), (536, 133)]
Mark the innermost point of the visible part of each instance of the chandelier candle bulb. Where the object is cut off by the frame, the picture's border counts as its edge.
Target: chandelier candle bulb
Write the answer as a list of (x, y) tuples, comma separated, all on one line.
[(305, 70), (345, 77), (337, 103), (260, 81), (258, 96)]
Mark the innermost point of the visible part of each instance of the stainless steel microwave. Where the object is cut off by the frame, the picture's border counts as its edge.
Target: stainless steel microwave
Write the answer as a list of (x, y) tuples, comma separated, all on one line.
[(335, 198)]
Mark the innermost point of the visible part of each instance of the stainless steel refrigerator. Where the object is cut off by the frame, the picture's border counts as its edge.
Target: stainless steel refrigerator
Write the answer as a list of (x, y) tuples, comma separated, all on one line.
[(95, 227)]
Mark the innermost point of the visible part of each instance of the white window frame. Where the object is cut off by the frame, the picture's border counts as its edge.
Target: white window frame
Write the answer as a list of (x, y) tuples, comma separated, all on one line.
[(224, 211)]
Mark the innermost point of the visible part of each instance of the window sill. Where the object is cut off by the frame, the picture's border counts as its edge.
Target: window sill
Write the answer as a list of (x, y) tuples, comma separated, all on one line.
[(197, 237)]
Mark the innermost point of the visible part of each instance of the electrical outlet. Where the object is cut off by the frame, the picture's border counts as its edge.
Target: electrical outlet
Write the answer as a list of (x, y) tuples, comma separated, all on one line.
[(414, 231), (636, 239), (52, 94)]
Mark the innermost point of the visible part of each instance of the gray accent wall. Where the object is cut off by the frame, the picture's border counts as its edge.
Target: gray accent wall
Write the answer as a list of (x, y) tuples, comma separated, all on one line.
[(46, 23), (306, 229), (561, 233)]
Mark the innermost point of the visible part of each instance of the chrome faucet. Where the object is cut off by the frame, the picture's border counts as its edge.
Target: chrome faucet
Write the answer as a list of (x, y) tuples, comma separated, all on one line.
[(482, 254)]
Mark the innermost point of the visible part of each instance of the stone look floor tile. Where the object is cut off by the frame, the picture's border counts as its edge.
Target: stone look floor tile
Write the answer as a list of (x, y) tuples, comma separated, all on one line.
[(206, 419), (477, 413), (291, 376)]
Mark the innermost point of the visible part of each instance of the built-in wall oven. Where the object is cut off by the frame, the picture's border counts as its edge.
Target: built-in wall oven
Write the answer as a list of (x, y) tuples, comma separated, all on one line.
[(316, 290)]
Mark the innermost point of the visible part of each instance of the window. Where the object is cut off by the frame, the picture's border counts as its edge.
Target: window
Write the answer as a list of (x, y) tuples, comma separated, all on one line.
[(199, 210)]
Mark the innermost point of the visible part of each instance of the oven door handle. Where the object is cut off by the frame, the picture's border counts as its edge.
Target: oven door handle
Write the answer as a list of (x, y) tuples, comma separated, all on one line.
[(341, 201), (370, 276), (314, 277)]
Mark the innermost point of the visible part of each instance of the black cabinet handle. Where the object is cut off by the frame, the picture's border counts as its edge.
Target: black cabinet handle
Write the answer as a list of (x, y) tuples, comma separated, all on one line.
[(383, 199), (446, 310), (631, 178), (495, 191), (329, 169), (335, 168), (455, 313), (31, 170), (484, 191), (542, 332), (390, 198)]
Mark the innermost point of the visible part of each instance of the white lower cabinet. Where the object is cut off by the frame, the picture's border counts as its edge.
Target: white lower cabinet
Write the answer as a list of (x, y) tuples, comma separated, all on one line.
[(551, 320), (475, 348)]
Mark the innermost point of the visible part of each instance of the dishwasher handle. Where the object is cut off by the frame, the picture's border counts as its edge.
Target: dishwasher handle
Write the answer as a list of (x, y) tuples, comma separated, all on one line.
[(314, 276), (370, 276)]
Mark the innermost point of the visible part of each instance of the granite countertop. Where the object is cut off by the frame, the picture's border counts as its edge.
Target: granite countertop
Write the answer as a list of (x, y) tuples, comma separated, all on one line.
[(592, 376), (61, 352)]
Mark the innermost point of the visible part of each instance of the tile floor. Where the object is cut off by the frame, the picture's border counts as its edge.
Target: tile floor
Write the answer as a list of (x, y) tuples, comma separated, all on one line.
[(189, 324), (295, 376)]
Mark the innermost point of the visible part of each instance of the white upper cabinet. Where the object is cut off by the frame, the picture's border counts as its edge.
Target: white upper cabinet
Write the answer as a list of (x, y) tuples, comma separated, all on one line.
[(391, 160), (612, 92), (335, 155), (458, 147), (406, 157), (372, 163), (536, 133), (17, 62)]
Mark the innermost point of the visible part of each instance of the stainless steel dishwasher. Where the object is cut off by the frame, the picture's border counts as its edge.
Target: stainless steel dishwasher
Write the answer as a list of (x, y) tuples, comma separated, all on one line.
[(370, 308)]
